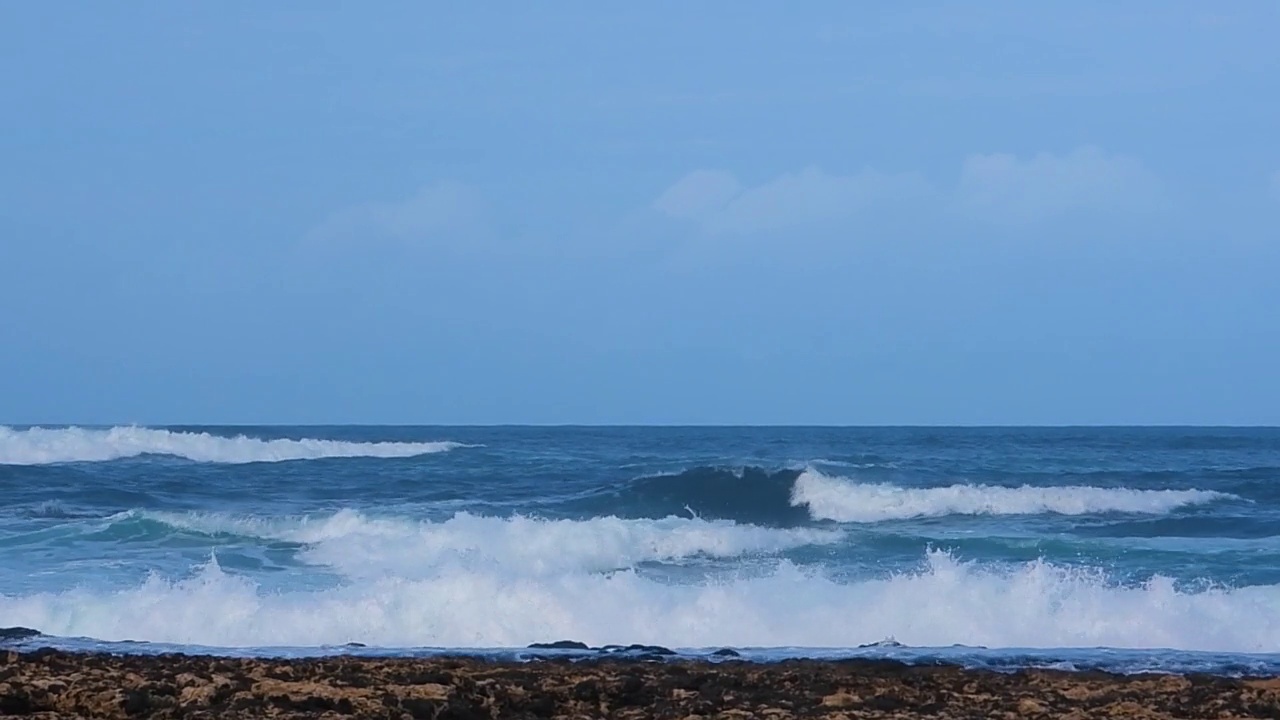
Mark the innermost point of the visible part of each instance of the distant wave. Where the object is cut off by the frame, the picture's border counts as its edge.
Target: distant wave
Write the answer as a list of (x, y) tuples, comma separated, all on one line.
[(42, 446), (946, 602), (357, 545), (794, 497), (843, 500)]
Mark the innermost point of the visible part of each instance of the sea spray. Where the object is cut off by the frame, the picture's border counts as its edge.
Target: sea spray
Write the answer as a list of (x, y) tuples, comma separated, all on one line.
[(946, 602)]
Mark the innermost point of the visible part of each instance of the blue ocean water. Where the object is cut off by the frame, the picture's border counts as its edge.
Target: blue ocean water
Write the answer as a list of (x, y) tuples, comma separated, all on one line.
[(1126, 548)]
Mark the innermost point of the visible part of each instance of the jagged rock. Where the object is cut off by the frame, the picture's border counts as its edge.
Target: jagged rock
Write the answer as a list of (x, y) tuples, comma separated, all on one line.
[(18, 633), (560, 645)]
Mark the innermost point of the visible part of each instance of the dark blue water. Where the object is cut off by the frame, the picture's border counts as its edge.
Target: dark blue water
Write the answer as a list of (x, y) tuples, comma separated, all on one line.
[(1162, 544)]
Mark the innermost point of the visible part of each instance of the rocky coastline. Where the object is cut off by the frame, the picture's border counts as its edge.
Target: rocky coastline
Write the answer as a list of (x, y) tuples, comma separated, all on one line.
[(53, 684)]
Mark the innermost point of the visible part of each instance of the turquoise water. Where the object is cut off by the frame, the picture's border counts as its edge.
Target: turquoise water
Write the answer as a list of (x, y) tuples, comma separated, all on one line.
[(1128, 548)]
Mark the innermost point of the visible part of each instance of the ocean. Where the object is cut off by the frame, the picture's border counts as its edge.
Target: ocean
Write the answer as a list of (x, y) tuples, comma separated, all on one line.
[(1119, 548)]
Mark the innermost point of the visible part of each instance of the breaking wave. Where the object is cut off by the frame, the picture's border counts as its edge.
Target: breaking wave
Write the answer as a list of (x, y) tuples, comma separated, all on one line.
[(357, 545), (43, 446), (945, 602), (842, 500), (794, 497)]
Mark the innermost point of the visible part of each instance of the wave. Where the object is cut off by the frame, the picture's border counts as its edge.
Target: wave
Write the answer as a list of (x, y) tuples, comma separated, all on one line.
[(42, 446), (945, 602), (747, 494), (359, 546), (794, 497), (843, 500)]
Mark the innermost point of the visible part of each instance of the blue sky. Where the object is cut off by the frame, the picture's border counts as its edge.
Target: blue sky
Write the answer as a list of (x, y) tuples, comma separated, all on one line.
[(842, 213)]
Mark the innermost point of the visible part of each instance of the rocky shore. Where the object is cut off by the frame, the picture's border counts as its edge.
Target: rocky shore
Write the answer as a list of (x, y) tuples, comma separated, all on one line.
[(51, 684)]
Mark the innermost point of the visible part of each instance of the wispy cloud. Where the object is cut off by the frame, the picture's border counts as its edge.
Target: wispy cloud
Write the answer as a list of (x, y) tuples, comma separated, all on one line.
[(720, 204), (438, 212), (996, 187), (1005, 188)]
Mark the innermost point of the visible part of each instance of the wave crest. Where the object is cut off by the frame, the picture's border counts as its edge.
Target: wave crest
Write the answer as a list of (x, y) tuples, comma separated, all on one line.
[(843, 500), (358, 546), (794, 497), (43, 446)]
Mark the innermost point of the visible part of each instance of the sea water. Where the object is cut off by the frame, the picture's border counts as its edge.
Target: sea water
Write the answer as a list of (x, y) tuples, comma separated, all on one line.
[(1121, 548)]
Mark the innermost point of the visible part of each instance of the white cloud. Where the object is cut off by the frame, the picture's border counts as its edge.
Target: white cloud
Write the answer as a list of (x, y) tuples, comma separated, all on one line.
[(699, 194), (1004, 188), (435, 212), (719, 203)]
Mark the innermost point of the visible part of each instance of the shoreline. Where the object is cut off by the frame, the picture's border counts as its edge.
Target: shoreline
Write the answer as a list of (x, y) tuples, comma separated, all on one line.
[(1116, 660), (51, 683)]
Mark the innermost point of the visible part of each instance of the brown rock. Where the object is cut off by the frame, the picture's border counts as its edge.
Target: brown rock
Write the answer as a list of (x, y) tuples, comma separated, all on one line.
[(50, 684), (841, 699), (1027, 706)]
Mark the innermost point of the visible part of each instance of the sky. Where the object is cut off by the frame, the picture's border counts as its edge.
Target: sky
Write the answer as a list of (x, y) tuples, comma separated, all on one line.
[(996, 213)]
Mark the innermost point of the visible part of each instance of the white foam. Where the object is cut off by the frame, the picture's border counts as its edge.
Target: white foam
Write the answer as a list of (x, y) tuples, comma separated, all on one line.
[(359, 546), (946, 602), (845, 500), (40, 446)]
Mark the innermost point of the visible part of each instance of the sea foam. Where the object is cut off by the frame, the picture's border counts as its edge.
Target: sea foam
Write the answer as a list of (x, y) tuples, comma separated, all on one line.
[(360, 546), (945, 602), (844, 500), (41, 446)]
